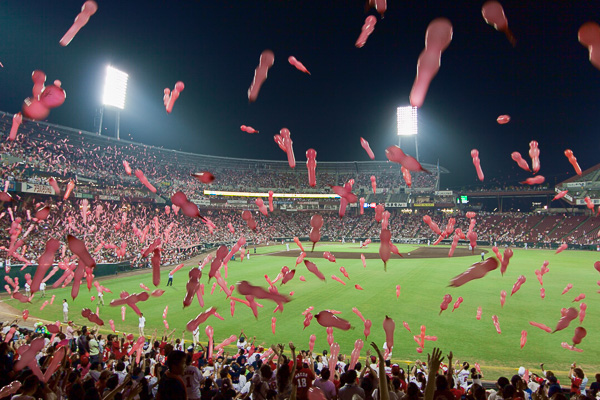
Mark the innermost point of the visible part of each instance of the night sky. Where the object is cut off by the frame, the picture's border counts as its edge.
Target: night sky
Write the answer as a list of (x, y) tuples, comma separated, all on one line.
[(546, 83)]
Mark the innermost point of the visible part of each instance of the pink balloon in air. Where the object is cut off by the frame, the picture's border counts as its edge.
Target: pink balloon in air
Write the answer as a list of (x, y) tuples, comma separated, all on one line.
[(560, 195), (313, 268), (271, 202), (273, 322), (534, 154), (389, 326), (477, 164), (397, 291), (367, 328), (406, 176), (311, 343), (311, 165), (204, 176), (542, 293), (580, 333), (566, 319), (140, 175), (328, 319), (536, 180), (284, 141), (518, 158), (374, 184), (299, 66), (267, 59), (171, 96), (502, 298), (434, 227), (316, 223), (476, 271), (523, 338), (541, 326), (365, 145), (493, 14), (364, 261), (261, 206), (248, 129), (88, 9), (478, 313), (361, 205), (503, 119), (445, 302), (582, 310), (562, 247), (508, 253), (580, 297), (520, 281), (589, 36), (437, 39), (569, 347), (457, 303), (17, 119), (53, 95), (496, 323), (335, 278), (366, 31), (384, 246), (395, 154)]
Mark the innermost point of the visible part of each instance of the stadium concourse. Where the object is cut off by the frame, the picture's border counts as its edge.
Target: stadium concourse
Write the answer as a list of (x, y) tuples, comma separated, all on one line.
[(118, 218)]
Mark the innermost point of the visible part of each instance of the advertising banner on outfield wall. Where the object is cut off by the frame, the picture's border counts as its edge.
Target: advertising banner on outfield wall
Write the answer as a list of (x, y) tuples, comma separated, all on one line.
[(109, 197), (444, 193), (80, 195), (581, 202), (424, 205), (201, 202), (576, 184), (396, 205), (35, 188)]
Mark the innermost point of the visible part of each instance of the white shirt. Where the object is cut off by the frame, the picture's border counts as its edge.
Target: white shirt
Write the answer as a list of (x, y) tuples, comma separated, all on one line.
[(142, 322), (27, 287), (43, 286), (65, 307), (193, 379), (463, 376)]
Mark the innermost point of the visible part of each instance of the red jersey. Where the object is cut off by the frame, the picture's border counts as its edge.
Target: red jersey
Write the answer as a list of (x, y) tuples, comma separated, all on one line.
[(304, 378)]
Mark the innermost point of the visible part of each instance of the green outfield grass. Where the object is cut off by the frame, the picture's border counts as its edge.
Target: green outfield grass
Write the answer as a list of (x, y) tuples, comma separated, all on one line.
[(424, 283)]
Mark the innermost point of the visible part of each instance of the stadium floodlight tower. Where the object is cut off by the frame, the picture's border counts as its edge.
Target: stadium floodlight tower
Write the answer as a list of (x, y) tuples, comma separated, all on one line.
[(115, 91), (407, 125)]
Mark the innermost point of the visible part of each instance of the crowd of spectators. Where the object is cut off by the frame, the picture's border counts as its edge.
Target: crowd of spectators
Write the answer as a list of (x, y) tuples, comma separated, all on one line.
[(80, 363), (42, 151), (107, 227)]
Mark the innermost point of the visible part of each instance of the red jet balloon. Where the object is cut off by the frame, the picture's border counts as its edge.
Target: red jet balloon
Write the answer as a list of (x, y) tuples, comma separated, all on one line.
[(267, 59), (493, 13)]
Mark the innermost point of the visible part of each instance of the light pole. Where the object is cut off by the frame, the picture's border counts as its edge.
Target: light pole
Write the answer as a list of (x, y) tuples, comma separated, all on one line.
[(407, 125), (115, 91)]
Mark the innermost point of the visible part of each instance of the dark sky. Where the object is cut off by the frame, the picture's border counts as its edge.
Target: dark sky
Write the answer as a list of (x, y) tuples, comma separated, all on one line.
[(546, 83)]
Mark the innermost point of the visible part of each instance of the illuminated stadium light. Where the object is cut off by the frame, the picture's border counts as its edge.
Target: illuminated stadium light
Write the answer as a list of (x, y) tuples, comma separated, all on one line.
[(115, 91), (407, 120), (115, 88), (280, 195)]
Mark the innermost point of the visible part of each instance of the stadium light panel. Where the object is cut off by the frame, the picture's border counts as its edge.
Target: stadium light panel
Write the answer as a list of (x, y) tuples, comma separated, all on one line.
[(115, 88), (407, 121)]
